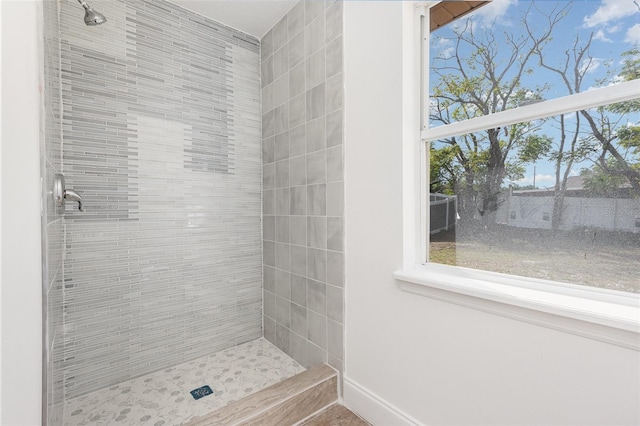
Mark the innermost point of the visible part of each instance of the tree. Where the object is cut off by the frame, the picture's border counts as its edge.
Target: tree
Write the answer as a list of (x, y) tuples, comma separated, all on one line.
[(477, 80), (481, 79)]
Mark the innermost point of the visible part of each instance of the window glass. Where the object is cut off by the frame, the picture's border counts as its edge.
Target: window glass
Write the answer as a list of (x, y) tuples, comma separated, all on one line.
[(508, 54), (548, 198)]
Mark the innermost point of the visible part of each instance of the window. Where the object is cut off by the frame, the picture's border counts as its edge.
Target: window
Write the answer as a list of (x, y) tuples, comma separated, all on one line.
[(494, 257), (534, 108)]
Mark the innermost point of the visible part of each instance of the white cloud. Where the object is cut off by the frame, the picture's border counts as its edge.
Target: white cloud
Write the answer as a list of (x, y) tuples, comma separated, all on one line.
[(447, 53), (494, 10), (590, 65), (528, 180), (633, 34), (600, 35), (610, 10)]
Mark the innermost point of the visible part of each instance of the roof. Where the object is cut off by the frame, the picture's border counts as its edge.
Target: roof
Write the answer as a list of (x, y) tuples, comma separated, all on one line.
[(448, 11)]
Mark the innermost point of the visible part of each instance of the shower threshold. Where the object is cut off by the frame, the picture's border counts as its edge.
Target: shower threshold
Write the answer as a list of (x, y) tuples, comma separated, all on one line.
[(163, 398)]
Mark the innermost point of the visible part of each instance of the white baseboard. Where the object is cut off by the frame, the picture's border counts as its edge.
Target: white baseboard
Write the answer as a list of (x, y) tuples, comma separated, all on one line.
[(372, 408)]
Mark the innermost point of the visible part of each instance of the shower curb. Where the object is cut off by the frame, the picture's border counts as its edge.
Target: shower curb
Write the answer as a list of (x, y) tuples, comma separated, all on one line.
[(284, 403)]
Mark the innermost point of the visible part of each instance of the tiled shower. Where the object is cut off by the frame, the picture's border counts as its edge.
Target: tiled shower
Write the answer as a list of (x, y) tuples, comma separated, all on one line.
[(210, 163)]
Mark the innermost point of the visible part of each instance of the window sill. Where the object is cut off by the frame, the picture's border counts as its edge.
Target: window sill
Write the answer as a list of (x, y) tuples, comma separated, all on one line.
[(608, 316)]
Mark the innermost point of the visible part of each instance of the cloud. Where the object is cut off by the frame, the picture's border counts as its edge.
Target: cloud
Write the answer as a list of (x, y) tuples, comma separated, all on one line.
[(447, 53), (528, 180), (599, 35), (589, 66), (633, 34), (494, 10), (610, 10)]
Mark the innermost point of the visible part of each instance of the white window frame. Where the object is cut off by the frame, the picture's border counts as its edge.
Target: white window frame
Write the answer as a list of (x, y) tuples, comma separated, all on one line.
[(601, 314)]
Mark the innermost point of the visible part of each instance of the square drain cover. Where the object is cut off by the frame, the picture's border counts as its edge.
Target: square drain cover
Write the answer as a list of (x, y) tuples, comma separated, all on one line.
[(201, 392)]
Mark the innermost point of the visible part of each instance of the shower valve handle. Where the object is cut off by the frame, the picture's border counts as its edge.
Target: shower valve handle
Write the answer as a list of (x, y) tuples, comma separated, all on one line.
[(72, 195), (61, 194)]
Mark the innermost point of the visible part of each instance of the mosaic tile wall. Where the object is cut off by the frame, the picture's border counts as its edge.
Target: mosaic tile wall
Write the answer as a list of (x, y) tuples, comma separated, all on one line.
[(302, 89), (52, 222), (161, 135)]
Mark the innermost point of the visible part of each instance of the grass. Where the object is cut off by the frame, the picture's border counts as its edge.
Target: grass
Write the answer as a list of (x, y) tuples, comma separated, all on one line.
[(589, 257)]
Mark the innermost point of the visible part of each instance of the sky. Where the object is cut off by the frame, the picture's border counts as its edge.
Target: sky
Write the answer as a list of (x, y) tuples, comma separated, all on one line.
[(615, 25)]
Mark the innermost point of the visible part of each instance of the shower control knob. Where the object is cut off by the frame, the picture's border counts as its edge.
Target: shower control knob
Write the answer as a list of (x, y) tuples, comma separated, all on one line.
[(60, 194)]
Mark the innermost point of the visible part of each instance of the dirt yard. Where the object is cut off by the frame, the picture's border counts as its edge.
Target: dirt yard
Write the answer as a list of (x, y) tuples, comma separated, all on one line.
[(594, 258)]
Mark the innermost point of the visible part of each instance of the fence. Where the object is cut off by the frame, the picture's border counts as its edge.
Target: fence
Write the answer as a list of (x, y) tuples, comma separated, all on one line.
[(443, 212), (611, 214)]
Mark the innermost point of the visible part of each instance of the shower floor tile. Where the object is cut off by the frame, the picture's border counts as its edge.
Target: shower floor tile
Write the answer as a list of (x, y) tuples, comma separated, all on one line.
[(163, 398)]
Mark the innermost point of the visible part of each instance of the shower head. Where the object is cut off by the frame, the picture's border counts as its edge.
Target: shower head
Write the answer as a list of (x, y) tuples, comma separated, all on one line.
[(91, 17)]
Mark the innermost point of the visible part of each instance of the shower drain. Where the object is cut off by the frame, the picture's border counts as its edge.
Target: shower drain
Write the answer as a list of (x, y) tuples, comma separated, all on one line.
[(201, 392)]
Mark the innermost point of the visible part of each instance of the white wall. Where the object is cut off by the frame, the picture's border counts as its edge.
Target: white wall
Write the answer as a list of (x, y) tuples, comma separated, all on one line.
[(414, 359), (21, 312)]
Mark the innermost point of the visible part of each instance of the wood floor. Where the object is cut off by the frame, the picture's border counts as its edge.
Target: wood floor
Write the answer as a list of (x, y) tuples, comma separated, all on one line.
[(335, 415)]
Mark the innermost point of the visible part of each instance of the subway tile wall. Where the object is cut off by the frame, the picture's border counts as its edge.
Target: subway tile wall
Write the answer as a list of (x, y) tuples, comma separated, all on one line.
[(303, 198), (52, 222), (161, 132)]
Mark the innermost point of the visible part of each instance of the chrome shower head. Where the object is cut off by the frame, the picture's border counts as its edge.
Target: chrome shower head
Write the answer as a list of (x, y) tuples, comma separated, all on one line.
[(91, 17)]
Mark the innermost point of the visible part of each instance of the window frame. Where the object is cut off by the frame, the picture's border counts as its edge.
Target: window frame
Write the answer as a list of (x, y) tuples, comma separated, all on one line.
[(605, 315)]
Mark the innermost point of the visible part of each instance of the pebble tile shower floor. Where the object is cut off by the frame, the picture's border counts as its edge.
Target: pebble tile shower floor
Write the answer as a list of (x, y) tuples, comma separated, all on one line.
[(163, 399)]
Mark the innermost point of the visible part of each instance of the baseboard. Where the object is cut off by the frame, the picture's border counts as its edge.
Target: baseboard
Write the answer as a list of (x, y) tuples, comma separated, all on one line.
[(372, 408)]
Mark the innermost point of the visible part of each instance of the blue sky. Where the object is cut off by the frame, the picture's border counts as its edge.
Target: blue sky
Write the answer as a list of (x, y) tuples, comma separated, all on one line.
[(615, 25)]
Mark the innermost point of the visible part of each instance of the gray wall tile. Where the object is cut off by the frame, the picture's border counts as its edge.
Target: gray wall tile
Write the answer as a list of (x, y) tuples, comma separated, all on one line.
[(317, 264), (299, 290), (280, 62), (334, 57), (335, 169), (333, 22), (335, 199), (295, 19), (298, 171), (296, 50), (269, 228), (280, 31), (297, 106), (281, 146), (283, 311), (298, 230), (335, 303), (282, 229), (316, 134), (299, 260), (315, 69), (335, 232), (283, 257), (299, 320), (314, 121), (335, 268), (298, 140), (315, 100), (164, 145), (283, 284), (317, 296), (297, 80), (298, 200), (317, 200), (282, 174), (316, 167), (313, 9), (317, 329), (334, 128), (317, 232)]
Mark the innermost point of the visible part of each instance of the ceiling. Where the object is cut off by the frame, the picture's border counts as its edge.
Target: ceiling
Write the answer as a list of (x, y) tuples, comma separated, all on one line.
[(253, 17), (256, 17)]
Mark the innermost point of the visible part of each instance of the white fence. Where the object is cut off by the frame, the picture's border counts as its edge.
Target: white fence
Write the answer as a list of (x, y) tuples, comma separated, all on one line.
[(611, 214), (442, 212)]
